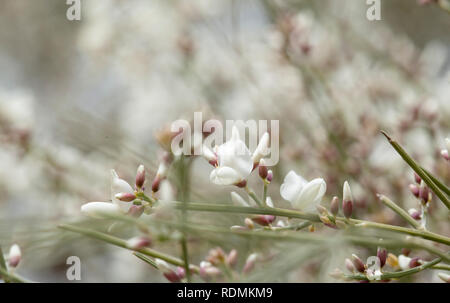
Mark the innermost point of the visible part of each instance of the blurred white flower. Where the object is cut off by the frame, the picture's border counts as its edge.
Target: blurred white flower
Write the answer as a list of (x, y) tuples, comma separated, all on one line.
[(403, 262), (302, 194), (118, 186), (234, 161), (14, 255), (262, 148)]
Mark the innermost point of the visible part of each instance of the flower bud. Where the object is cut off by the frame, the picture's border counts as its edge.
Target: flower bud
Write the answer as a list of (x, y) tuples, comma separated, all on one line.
[(156, 183), (414, 262), (425, 193), (125, 197), (136, 211), (241, 183), (445, 155), (140, 177), (216, 256), (207, 270), (321, 210), (417, 178), (406, 251), (349, 265), (137, 243), (269, 176), (359, 265), (347, 201), (167, 270), (415, 214), (232, 257), (209, 155), (444, 277), (15, 255), (334, 207), (382, 256), (250, 263), (162, 170), (249, 223), (264, 220), (100, 209), (414, 190), (262, 169)]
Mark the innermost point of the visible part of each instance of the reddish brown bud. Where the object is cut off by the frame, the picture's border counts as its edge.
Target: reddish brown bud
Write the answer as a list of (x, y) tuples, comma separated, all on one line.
[(334, 207), (140, 177), (155, 184), (417, 178), (414, 262), (125, 197), (262, 169), (264, 220), (359, 265), (414, 190), (382, 255), (269, 176), (406, 251), (241, 184)]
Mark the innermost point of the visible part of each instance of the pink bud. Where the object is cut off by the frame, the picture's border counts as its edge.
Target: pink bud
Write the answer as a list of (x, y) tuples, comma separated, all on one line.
[(137, 243), (250, 263), (415, 190), (425, 193), (269, 175), (125, 197), (417, 178), (140, 176), (359, 265), (264, 220), (347, 201), (349, 265), (445, 155), (15, 255), (334, 207), (406, 251), (136, 211), (415, 214), (382, 255), (232, 257), (155, 184)]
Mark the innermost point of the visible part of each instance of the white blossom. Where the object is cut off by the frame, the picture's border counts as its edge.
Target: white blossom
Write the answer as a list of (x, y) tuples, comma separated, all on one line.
[(302, 194)]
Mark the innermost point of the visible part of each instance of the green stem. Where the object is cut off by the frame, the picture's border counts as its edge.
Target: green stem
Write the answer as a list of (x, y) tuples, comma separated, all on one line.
[(185, 188), (12, 277), (3, 264), (441, 267), (310, 217), (413, 164), (122, 243), (438, 183), (265, 193), (146, 259), (389, 203), (255, 198)]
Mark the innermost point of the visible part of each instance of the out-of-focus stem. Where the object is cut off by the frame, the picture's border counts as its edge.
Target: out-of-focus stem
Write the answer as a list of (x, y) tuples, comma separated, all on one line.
[(389, 203), (3, 265), (146, 259), (12, 277), (122, 243), (413, 164), (398, 274), (311, 217), (265, 193)]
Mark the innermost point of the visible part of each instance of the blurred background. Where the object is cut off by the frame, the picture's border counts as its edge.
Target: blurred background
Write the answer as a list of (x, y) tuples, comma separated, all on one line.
[(78, 98)]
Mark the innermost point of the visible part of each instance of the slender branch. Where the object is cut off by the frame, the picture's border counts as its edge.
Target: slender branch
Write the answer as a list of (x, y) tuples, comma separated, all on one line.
[(311, 217), (438, 183), (398, 274), (12, 277), (255, 198), (122, 243), (265, 193), (413, 164), (3, 263), (146, 259), (389, 203)]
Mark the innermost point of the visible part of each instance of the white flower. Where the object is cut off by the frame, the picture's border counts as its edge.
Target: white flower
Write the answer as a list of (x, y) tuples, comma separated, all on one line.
[(14, 255), (262, 148), (403, 262), (118, 186), (234, 161), (100, 209), (302, 194)]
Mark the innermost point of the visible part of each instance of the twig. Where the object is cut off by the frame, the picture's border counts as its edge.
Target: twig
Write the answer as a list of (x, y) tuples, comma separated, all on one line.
[(389, 203), (418, 170)]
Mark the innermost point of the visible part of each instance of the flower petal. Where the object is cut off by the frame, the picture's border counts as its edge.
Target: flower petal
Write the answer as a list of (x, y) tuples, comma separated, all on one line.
[(98, 209), (225, 176), (311, 195), (292, 186)]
